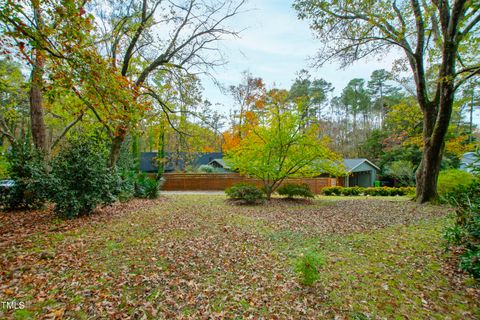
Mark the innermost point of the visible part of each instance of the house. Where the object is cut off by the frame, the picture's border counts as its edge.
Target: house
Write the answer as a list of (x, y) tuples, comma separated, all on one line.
[(219, 164), (177, 161), (467, 161), (360, 172)]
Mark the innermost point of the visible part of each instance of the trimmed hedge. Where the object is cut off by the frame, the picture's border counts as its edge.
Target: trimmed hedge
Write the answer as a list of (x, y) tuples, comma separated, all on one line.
[(246, 193), (292, 190), (374, 192)]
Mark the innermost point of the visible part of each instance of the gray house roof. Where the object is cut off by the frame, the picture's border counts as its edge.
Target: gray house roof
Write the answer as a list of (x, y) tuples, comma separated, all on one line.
[(148, 163), (352, 164), (220, 162)]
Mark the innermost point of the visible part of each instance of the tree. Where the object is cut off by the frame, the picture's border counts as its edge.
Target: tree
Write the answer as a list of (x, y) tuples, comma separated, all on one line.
[(402, 171), (436, 36), (356, 100), (13, 101), (52, 39), (140, 53), (249, 96), (311, 94), (381, 91), (282, 146)]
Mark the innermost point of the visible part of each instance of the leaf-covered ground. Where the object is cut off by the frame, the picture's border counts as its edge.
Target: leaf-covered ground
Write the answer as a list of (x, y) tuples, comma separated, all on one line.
[(197, 257)]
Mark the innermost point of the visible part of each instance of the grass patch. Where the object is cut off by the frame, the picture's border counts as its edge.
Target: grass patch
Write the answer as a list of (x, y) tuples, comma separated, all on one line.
[(196, 256)]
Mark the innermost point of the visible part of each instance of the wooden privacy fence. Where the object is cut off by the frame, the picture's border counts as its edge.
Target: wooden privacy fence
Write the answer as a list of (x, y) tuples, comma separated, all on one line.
[(215, 181)]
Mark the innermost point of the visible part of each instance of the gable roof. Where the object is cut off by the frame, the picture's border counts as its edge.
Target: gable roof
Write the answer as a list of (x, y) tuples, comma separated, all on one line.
[(220, 162), (352, 164)]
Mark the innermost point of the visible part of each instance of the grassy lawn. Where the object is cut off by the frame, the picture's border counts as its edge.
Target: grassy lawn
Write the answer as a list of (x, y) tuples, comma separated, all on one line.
[(194, 256)]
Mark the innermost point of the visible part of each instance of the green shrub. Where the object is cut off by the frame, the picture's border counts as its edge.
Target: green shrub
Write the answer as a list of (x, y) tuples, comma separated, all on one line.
[(328, 191), (81, 179), (126, 181), (372, 191), (332, 191), (351, 191), (3, 166), (206, 168), (28, 170), (306, 267), (385, 191), (146, 187), (402, 171), (448, 180), (346, 191), (465, 232), (291, 190), (247, 193), (407, 191)]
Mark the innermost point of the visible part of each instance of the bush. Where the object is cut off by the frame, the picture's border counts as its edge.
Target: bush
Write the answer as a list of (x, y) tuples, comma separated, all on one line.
[(28, 170), (3, 166), (306, 267), (465, 232), (245, 192), (291, 190), (374, 191), (146, 187), (81, 179), (206, 168), (448, 180), (402, 171), (332, 191)]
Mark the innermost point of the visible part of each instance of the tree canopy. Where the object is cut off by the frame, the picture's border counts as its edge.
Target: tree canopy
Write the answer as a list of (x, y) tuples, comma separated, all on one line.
[(279, 145), (439, 40)]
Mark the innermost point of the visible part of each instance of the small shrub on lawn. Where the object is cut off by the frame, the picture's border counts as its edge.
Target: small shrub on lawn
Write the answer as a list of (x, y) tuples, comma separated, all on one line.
[(292, 190), (448, 180), (28, 170), (80, 178), (306, 267), (465, 232), (248, 193)]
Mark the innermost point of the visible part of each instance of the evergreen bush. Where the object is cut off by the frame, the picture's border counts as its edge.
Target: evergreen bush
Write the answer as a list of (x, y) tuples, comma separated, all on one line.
[(246, 193), (292, 190), (80, 178)]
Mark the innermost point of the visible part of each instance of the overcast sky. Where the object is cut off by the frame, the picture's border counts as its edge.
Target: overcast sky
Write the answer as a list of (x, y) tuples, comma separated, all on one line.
[(275, 46)]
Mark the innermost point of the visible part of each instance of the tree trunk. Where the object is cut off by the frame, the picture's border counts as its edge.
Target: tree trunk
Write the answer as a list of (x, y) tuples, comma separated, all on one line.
[(268, 189), (437, 115), (39, 131), (116, 147), (427, 174)]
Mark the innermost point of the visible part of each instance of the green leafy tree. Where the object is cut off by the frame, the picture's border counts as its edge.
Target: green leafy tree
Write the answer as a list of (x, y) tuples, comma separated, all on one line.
[(440, 42), (49, 37), (402, 171), (281, 146), (13, 101)]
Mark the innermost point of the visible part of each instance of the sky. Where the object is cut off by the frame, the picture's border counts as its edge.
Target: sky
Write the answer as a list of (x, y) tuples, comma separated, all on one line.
[(275, 45)]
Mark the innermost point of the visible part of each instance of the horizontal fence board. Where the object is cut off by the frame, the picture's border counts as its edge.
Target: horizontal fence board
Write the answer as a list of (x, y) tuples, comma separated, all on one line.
[(217, 182)]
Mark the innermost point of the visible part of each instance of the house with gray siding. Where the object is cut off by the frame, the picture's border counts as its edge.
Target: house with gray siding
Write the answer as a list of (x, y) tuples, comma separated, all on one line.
[(360, 172)]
